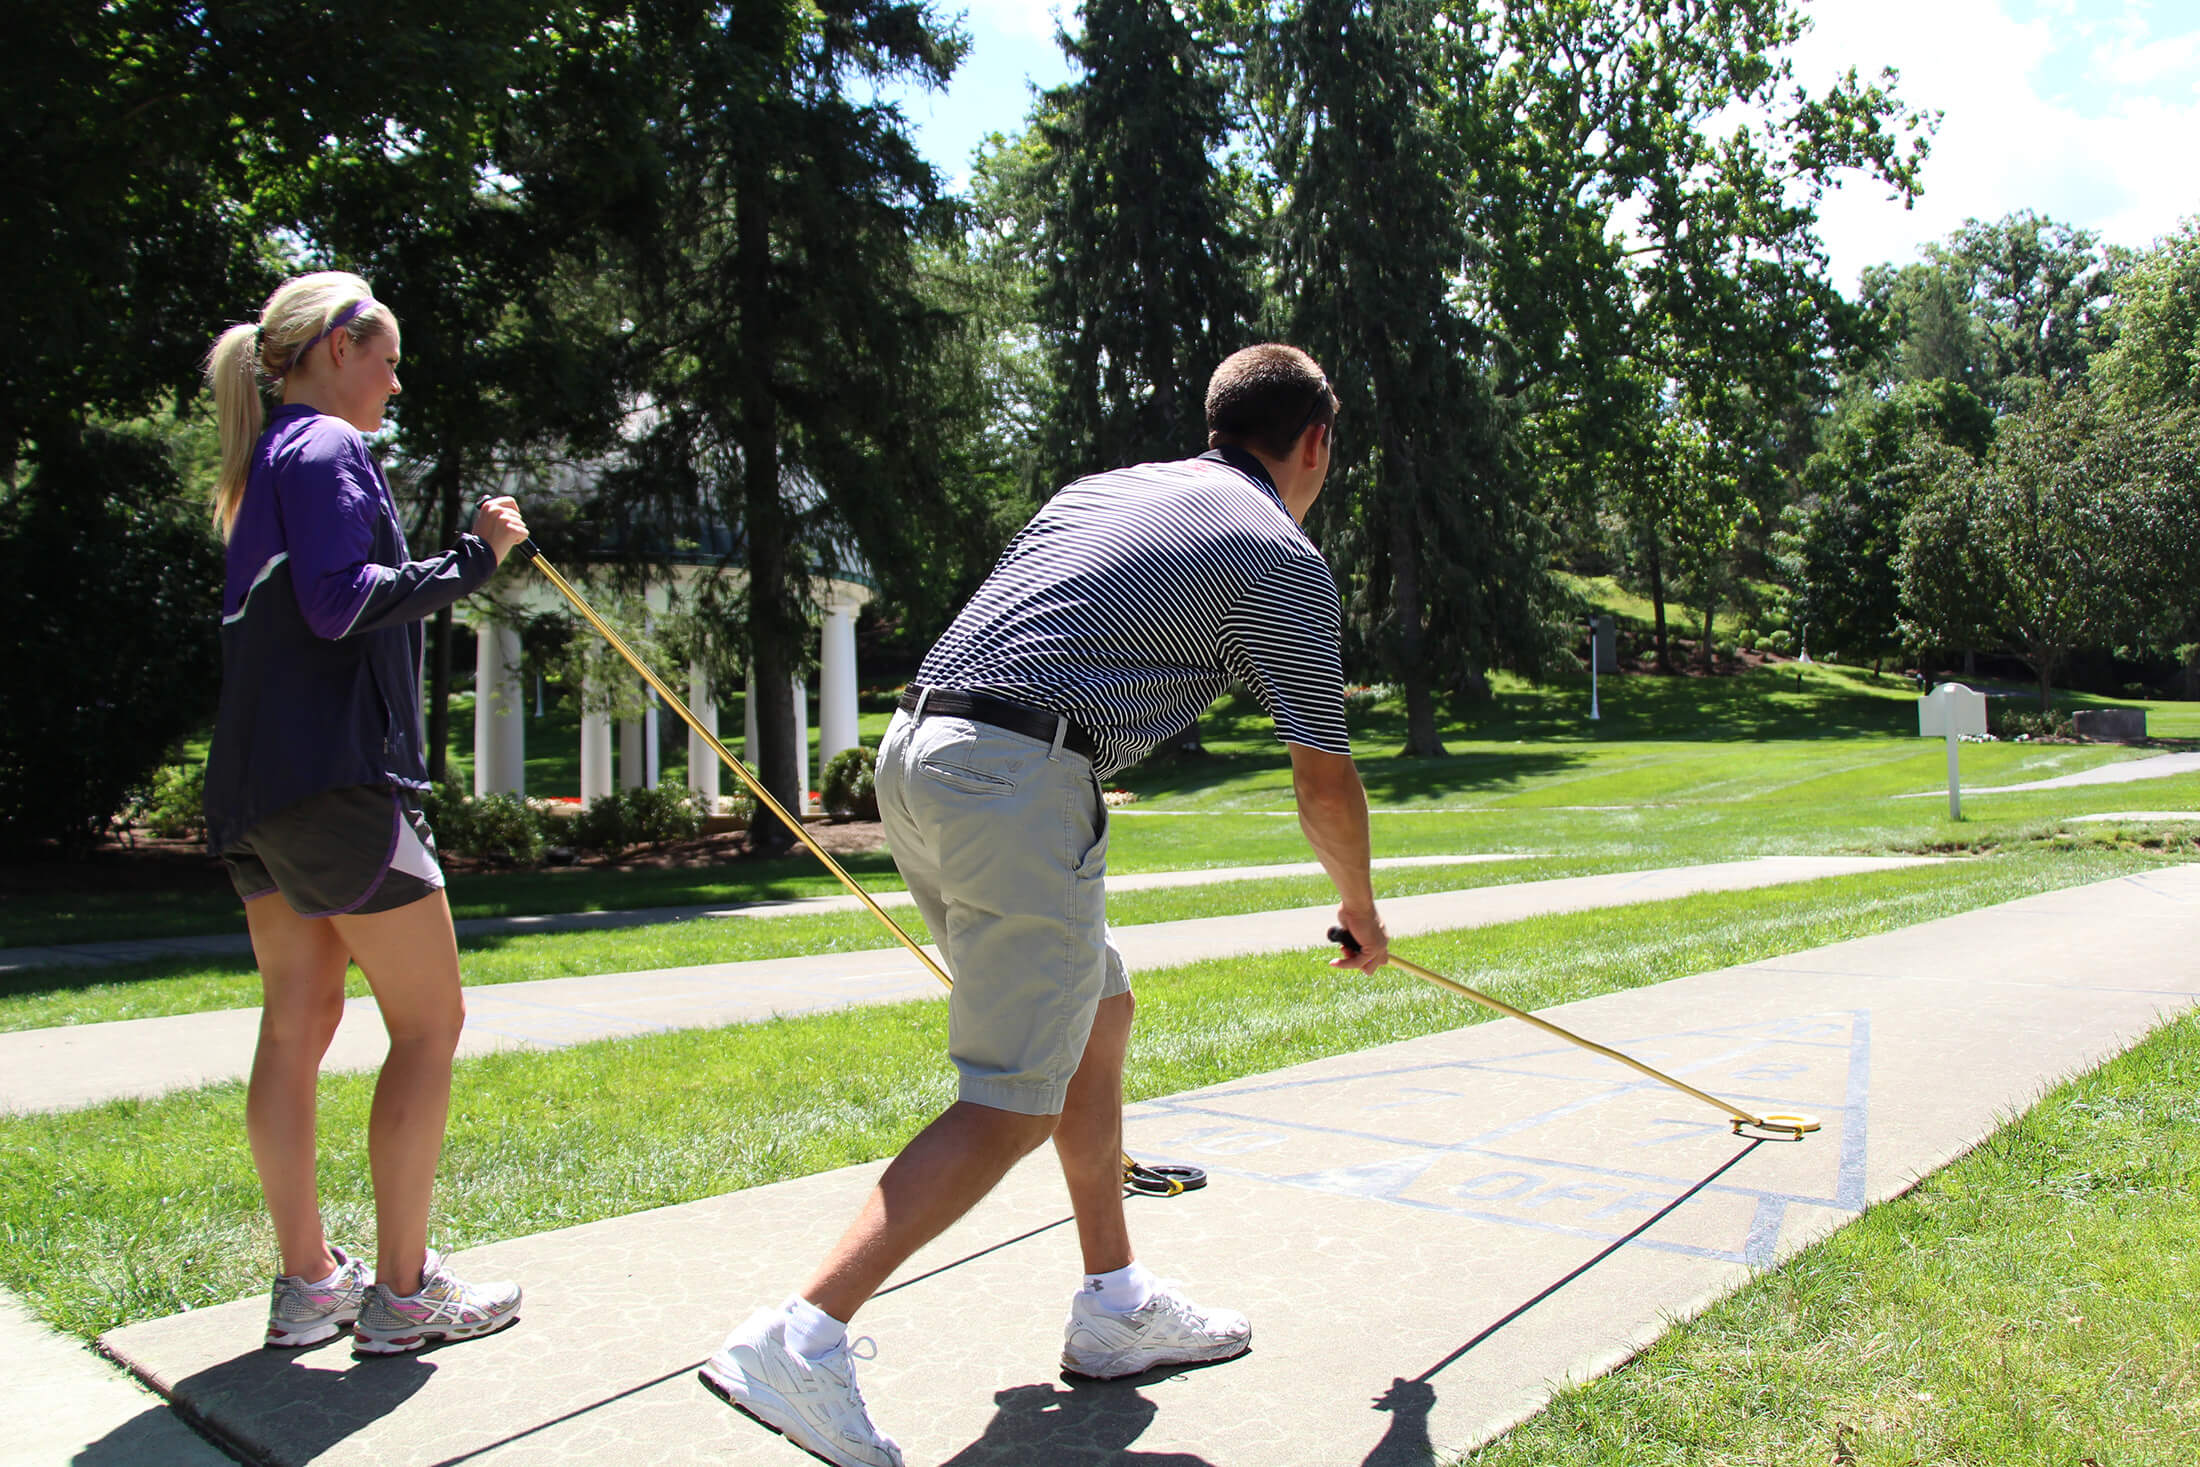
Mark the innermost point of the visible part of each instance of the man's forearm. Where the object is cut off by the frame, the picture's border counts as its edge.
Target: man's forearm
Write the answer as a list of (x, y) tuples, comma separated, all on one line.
[(1333, 815)]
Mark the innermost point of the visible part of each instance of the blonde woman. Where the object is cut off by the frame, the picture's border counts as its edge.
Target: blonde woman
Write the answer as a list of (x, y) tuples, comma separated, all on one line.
[(312, 799)]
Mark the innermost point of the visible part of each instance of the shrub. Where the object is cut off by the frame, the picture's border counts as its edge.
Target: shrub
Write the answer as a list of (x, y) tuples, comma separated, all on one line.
[(602, 826), (175, 807), (846, 788), (637, 817), (665, 813), (1779, 641), (2030, 723), (504, 831), (109, 580), (1363, 699), (446, 807)]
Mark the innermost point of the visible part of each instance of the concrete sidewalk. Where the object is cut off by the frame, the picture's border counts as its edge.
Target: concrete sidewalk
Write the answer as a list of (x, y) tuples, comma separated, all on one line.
[(234, 944), (2127, 771), (61, 1068), (1428, 1235), (62, 1405)]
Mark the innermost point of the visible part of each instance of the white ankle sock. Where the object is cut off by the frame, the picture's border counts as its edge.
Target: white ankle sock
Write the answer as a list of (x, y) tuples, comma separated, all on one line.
[(324, 1283), (1123, 1290), (811, 1332)]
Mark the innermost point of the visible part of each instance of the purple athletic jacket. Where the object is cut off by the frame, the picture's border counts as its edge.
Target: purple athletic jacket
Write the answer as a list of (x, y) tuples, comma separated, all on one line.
[(321, 635)]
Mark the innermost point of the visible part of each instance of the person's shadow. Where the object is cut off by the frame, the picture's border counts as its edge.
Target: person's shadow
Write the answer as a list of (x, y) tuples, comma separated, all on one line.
[(1406, 1443), (278, 1405), (1077, 1421)]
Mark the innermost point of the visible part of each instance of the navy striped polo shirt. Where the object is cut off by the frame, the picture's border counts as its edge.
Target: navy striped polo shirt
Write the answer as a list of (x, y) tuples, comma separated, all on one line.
[(1135, 597)]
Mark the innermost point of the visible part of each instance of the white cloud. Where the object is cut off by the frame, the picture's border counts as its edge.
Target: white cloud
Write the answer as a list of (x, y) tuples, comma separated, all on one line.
[(2091, 120)]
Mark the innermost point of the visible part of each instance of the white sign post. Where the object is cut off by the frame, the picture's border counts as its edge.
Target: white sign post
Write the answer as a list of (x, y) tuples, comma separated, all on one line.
[(1595, 651), (1952, 710)]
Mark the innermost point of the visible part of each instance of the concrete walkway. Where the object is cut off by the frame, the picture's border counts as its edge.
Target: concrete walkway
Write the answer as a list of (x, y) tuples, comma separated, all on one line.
[(232, 944), (2154, 766), (2135, 817), (1427, 1235), (63, 1405), (61, 1068)]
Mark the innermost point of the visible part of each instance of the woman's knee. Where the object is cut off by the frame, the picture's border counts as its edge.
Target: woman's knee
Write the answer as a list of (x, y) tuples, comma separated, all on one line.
[(432, 1024), (305, 1024)]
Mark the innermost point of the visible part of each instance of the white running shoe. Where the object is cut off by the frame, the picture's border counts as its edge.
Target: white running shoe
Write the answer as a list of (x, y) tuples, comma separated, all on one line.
[(813, 1403), (446, 1308), (1168, 1329)]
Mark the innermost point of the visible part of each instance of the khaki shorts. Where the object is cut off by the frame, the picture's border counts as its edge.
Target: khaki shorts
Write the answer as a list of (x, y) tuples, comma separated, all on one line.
[(1004, 844)]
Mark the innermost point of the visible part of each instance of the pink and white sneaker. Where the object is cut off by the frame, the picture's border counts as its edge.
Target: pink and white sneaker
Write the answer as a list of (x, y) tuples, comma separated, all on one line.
[(444, 1309), (301, 1313)]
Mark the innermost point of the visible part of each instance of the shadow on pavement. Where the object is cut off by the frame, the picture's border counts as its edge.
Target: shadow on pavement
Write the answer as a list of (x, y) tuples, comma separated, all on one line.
[(288, 1407), (153, 1435), (1406, 1443), (1074, 1421)]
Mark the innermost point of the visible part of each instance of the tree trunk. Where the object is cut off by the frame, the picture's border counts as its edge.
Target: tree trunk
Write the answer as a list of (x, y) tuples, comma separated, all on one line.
[(1405, 591), (1703, 648), (1657, 606), (773, 643), (446, 479)]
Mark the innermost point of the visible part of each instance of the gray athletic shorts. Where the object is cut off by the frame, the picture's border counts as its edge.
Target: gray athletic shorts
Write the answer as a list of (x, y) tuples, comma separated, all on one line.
[(351, 851), (1004, 844)]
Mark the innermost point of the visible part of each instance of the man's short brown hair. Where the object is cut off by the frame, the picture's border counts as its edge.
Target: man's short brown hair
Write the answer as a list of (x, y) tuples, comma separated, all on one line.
[(1265, 397)]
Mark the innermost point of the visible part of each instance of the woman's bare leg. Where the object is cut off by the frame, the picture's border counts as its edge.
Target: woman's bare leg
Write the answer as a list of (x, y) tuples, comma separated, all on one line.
[(302, 964), (410, 957)]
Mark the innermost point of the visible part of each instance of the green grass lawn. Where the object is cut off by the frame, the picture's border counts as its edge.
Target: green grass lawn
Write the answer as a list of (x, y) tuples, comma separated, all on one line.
[(135, 1208), (46, 997), (1678, 770), (2032, 1304)]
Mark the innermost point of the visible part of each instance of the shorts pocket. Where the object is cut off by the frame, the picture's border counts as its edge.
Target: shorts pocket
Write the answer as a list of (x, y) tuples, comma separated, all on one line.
[(970, 781)]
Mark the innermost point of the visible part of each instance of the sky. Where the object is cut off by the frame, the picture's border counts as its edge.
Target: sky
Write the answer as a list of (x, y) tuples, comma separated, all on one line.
[(2086, 111)]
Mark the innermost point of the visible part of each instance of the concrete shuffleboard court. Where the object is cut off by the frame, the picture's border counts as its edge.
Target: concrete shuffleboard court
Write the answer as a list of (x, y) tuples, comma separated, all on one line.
[(1427, 1235), (82, 1064)]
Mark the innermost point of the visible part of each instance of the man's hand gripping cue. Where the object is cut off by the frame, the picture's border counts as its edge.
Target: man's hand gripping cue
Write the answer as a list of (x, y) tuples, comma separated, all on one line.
[(1333, 814)]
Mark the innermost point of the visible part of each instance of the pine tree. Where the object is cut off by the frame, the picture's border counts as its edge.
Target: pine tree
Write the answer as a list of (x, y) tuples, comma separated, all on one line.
[(1140, 241), (1426, 508), (780, 341)]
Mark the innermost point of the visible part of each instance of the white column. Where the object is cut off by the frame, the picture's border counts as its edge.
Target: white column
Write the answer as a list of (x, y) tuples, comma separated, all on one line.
[(649, 720), (802, 740), (500, 725), (630, 753), (836, 681), (749, 746), (703, 765), (595, 750)]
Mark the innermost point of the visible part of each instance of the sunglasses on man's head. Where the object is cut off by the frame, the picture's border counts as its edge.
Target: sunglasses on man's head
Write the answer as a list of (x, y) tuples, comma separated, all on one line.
[(1313, 411)]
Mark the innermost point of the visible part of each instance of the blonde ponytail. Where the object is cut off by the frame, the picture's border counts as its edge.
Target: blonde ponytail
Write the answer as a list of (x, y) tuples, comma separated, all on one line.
[(234, 373), (247, 360)]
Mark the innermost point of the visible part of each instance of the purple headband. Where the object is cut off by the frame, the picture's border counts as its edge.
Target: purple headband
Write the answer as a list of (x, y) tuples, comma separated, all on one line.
[(341, 319)]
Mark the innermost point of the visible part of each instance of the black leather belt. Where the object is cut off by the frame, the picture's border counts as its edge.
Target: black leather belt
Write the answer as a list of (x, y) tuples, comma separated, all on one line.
[(1035, 723)]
